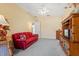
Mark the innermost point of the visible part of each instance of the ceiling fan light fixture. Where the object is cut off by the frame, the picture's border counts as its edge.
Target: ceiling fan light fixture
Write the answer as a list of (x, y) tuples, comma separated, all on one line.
[(43, 11)]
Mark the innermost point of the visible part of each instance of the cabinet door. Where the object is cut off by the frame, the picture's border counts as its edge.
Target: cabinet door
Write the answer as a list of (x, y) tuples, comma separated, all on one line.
[(4, 50), (75, 29)]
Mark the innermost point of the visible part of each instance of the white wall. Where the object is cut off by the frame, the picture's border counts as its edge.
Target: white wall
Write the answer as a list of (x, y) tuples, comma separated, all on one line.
[(19, 19), (49, 25)]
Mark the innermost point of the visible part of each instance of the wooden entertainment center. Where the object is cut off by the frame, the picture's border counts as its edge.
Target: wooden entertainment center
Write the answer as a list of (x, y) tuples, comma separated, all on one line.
[(69, 39)]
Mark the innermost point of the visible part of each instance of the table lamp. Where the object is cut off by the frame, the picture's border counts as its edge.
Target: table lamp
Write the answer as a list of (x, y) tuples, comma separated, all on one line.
[(3, 27)]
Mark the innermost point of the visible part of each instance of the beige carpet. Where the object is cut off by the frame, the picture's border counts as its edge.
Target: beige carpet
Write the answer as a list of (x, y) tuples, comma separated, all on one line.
[(43, 47)]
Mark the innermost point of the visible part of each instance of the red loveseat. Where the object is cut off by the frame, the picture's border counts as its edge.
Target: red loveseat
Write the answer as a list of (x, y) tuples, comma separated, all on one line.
[(24, 39)]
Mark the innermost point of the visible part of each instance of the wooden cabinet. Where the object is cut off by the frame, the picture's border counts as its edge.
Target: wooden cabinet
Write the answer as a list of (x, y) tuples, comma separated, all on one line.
[(71, 45), (58, 33)]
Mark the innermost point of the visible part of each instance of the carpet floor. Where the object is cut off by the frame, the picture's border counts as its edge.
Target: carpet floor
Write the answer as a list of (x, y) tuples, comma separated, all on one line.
[(43, 47)]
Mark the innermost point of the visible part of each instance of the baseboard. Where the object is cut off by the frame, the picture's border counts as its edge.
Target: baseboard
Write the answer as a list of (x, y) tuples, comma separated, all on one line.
[(48, 38)]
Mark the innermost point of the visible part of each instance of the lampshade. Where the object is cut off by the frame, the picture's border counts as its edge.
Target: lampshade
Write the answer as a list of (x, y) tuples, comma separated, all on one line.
[(3, 21)]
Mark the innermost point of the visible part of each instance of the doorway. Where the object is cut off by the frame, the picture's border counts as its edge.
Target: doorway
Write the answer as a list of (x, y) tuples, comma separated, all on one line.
[(36, 28)]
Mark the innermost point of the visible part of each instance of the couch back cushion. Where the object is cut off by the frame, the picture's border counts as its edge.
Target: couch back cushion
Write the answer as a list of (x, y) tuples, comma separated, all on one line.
[(19, 35)]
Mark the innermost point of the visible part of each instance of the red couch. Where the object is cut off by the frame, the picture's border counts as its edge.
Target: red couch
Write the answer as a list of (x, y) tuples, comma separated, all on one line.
[(24, 39)]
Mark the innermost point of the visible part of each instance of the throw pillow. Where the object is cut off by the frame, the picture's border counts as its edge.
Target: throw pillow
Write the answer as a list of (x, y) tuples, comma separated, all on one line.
[(22, 37)]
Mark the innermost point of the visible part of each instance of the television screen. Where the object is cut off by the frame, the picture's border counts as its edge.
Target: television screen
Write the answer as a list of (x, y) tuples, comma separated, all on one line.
[(67, 33)]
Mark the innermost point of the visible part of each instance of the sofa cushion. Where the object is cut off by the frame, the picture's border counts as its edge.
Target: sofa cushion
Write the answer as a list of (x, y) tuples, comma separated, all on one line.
[(31, 39)]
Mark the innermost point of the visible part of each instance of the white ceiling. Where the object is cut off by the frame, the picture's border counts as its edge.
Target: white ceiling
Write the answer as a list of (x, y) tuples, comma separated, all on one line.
[(54, 9)]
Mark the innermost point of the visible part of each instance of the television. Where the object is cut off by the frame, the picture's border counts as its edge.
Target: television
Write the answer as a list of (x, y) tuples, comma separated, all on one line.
[(67, 33)]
